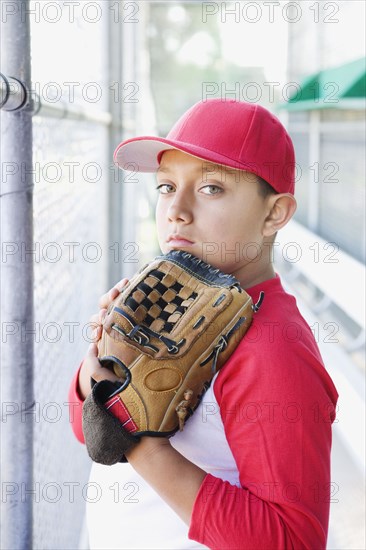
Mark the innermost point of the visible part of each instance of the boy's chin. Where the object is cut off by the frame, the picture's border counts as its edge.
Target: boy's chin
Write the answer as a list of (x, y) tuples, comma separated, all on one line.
[(165, 249)]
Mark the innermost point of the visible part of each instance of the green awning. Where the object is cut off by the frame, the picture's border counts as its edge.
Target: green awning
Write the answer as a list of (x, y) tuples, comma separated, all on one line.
[(342, 87)]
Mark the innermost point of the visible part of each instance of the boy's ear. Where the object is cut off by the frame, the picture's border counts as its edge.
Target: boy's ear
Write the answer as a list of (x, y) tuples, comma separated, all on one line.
[(281, 209)]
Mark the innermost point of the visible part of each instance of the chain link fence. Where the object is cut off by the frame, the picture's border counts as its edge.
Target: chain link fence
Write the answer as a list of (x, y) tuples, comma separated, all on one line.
[(70, 272), (71, 182)]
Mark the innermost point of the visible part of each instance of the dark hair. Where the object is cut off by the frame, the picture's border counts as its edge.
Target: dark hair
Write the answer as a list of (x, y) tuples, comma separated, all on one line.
[(264, 188)]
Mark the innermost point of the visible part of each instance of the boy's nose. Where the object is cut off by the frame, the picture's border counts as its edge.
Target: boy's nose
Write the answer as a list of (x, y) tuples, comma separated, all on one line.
[(180, 209)]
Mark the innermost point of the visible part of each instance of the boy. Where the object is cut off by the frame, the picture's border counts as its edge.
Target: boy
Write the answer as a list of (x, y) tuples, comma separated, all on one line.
[(251, 469)]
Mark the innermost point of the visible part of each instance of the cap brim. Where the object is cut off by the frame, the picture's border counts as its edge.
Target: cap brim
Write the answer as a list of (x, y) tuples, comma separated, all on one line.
[(142, 154)]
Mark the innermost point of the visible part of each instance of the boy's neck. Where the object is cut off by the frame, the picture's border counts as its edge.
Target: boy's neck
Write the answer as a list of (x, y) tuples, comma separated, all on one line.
[(248, 279)]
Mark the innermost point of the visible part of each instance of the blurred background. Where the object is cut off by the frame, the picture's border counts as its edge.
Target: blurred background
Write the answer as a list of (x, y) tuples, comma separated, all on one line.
[(72, 225)]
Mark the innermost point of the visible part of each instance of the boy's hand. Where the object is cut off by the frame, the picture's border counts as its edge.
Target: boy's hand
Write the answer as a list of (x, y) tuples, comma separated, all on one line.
[(91, 367)]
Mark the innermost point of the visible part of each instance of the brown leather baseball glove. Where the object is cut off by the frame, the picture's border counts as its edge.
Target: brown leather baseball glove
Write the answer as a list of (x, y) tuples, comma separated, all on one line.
[(165, 336)]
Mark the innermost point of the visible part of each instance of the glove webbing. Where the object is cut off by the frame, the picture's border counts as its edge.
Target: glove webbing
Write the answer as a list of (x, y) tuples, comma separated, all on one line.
[(160, 299)]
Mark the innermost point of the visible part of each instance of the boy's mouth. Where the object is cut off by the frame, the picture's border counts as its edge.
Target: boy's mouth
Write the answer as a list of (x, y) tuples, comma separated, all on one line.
[(176, 240)]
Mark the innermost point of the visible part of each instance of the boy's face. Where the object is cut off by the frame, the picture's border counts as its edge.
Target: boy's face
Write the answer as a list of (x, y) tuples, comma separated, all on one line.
[(213, 212)]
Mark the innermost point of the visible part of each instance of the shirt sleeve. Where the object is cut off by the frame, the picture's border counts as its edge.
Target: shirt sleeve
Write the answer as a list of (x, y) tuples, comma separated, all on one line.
[(277, 412), (75, 408)]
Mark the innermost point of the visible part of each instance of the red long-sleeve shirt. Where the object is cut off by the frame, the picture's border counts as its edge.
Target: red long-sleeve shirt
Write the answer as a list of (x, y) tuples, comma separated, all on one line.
[(263, 434)]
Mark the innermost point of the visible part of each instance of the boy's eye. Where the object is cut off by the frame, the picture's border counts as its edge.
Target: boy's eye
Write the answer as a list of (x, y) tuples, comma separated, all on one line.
[(165, 188), (211, 189)]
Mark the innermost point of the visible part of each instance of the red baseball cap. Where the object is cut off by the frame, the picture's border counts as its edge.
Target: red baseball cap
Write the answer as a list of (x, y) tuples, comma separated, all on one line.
[(237, 134)]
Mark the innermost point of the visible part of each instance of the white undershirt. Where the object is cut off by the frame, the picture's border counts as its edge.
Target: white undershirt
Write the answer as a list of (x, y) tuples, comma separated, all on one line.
[(128, 514)]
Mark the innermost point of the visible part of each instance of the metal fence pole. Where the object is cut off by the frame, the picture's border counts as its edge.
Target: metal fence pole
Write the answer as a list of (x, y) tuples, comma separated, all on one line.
[(17, 319), (115, 191)]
